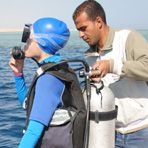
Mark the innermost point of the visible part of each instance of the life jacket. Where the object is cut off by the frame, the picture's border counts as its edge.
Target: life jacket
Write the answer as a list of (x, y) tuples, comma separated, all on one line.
[(70, 133)]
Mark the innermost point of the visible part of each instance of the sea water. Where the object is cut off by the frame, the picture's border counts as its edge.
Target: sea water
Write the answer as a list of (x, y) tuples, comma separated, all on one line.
[(12, 116)]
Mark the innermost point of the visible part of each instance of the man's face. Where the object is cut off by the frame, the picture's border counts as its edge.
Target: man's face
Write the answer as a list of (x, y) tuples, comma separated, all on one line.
[(88, 29)]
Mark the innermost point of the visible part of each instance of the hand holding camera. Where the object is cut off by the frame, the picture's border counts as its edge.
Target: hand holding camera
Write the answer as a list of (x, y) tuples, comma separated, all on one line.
[(17, 62), (17, 53)]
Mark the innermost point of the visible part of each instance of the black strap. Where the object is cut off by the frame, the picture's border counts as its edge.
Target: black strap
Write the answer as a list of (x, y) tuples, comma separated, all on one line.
[(103, 116)]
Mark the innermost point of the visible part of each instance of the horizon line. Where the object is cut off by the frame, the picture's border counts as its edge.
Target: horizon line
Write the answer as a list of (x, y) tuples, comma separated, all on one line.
[(20, 30), (10, 30)]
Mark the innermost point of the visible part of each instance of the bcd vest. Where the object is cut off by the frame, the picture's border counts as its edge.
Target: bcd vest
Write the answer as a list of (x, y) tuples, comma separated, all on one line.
[(70, 133)]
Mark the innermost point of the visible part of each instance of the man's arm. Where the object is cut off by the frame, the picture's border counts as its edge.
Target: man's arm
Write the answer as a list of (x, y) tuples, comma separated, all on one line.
[(136, 65)]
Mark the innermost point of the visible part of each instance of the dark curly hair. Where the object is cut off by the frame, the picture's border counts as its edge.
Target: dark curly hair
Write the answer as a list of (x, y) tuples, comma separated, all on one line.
[(92, 8)]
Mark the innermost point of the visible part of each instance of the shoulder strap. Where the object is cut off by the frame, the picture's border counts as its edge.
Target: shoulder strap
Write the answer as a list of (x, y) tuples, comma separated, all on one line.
[(43, 69)]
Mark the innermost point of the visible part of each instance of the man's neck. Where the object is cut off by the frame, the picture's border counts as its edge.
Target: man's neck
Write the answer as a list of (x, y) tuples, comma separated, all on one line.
[(103, 38)]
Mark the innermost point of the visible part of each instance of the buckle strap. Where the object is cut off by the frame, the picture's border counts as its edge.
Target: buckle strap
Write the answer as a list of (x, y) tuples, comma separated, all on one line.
[(103, 116)]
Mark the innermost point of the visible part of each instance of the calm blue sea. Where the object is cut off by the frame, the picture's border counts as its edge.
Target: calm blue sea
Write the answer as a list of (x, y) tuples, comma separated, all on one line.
[(12, 116)]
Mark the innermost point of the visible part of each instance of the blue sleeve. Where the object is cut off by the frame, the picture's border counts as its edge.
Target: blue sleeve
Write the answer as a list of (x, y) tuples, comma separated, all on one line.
[(32, 134), (21, 88), (48, 97)]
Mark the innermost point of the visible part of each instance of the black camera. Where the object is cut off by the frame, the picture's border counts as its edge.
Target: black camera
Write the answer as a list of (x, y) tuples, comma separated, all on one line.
[(17, 53)]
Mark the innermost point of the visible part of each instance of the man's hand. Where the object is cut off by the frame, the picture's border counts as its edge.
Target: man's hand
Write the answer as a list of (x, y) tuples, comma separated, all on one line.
[(100, 69)]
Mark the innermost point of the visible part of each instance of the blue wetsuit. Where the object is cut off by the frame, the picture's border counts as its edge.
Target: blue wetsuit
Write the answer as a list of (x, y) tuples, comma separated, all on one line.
[(49, 90)]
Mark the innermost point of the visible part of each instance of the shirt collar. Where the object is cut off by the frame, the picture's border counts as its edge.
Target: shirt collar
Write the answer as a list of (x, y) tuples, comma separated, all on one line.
[(108, 45)]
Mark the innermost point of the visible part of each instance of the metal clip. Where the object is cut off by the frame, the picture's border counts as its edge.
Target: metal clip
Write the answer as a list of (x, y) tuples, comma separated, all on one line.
[(96, 116)]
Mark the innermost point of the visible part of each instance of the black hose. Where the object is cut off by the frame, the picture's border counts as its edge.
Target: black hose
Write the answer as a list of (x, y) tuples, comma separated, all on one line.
[(35, 61), (88, 95)]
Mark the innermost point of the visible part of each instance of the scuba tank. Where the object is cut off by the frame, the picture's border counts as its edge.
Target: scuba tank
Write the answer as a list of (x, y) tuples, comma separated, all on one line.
[(102, 114), (101, 117)]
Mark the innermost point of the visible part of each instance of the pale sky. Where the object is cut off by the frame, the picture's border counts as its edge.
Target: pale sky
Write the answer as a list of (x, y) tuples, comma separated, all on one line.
[(126, 13)]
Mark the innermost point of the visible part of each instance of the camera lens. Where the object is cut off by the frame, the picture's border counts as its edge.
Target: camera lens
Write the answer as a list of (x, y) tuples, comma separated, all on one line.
[(17, 53)]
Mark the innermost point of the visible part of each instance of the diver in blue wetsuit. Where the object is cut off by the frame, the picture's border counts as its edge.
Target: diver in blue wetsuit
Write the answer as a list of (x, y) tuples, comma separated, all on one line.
[(43, 39)]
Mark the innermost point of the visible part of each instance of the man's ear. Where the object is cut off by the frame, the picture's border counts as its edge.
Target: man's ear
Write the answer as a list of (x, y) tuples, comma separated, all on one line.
[(99, 21)]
